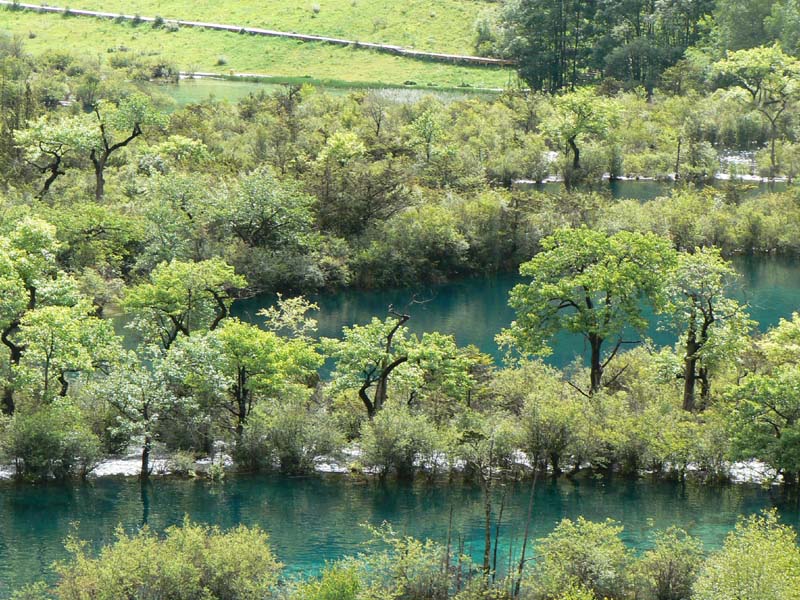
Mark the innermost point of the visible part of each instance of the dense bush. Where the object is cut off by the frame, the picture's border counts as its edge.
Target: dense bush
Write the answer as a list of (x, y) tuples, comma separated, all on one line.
[(50, 442)]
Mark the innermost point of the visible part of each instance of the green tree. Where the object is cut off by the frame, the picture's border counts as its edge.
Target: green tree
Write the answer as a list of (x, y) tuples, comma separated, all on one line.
[(50, 142), (766, 420), (713, 326), (371, 357), (62, 342), (771, 81), (181, 297), (592, 284), (116, 126), (30, 278), (575, 118), (760, 560), (238, 364), (142, 399)]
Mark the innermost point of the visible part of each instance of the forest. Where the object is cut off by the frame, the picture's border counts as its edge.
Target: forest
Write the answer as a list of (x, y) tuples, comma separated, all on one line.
[(131, 227)]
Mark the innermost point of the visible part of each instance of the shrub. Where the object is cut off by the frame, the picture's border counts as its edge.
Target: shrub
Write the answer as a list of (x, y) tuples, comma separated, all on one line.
[(192, 561), (668, 571), (289, 437), (582, 554), (760, 560), (397, 439), (340, 581), (158, 22), (52, 442)]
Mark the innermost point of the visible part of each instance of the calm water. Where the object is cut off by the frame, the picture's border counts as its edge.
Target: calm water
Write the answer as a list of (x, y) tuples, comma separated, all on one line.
[(311, 520), (475, 310), (192, 91)]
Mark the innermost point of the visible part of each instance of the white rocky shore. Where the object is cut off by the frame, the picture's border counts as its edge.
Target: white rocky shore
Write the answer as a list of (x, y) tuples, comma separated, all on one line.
[(347, 461)]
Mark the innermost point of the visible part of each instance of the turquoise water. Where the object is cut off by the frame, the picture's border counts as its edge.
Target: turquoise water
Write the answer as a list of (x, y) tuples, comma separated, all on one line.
[(475, 310), (311, 520)]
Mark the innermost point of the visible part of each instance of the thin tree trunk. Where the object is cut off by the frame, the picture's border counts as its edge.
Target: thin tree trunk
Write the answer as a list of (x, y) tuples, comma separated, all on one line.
[(596, 375)]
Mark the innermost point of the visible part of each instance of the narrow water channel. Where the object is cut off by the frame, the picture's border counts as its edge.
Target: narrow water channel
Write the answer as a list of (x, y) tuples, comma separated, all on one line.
[(317, 519)]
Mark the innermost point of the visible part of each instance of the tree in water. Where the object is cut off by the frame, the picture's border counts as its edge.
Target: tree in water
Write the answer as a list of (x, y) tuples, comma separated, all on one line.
[(592, 284)]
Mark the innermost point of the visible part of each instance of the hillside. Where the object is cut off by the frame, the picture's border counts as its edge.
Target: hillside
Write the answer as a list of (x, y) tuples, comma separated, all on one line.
[(441, 26), (202, 50)]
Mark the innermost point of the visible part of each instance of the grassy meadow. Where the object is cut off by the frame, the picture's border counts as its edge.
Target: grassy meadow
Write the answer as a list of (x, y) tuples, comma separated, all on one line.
[(441, 26), (205, 50)]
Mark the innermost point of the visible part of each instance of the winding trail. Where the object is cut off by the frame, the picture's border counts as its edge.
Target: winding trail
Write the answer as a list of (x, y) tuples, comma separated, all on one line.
[(304, 37)]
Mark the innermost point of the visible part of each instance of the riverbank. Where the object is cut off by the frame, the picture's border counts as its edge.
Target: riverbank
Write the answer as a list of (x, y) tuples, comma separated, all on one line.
[(178, 466)]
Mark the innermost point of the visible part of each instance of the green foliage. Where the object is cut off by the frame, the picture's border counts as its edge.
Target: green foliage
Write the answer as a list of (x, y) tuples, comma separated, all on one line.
[(289, 436), (401, 441), (588, 283), (50, 442), (192, 561), (340, 581), (760, 560), (588, 556), (668, 571), (181, 297)]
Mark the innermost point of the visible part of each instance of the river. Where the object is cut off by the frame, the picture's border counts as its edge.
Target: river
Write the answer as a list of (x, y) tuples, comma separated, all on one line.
[(474, 310), (316, 519)]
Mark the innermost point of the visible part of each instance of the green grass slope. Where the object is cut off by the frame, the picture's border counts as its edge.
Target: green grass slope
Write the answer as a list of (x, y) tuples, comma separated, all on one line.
[(202, 50), (431, 25)]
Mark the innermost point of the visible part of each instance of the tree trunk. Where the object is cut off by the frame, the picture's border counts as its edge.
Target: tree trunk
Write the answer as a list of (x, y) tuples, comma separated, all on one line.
[(487, 510), (8, 405), (690, 370), (144, 474), (576, 154), (99, 176), (62, 379), (596, 375)]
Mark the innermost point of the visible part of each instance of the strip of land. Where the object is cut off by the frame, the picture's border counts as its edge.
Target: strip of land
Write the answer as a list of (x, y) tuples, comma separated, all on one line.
[(201, 50), (304, 37)]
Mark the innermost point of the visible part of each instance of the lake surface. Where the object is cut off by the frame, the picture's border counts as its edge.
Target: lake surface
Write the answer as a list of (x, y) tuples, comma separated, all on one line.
[(474, 310), (311, 520), (194, 91)]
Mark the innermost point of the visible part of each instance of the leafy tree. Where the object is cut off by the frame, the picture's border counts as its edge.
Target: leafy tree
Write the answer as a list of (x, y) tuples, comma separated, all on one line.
[(61, 342), (265, 212), (181, 297), (370, 357), (760, 560), (766, 420), (117, 126), (142, 399), (770, 80), (237, 364), (576, 117), (592, 284), (550, 40), (50, 142), (30, 278), (712, 325)]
